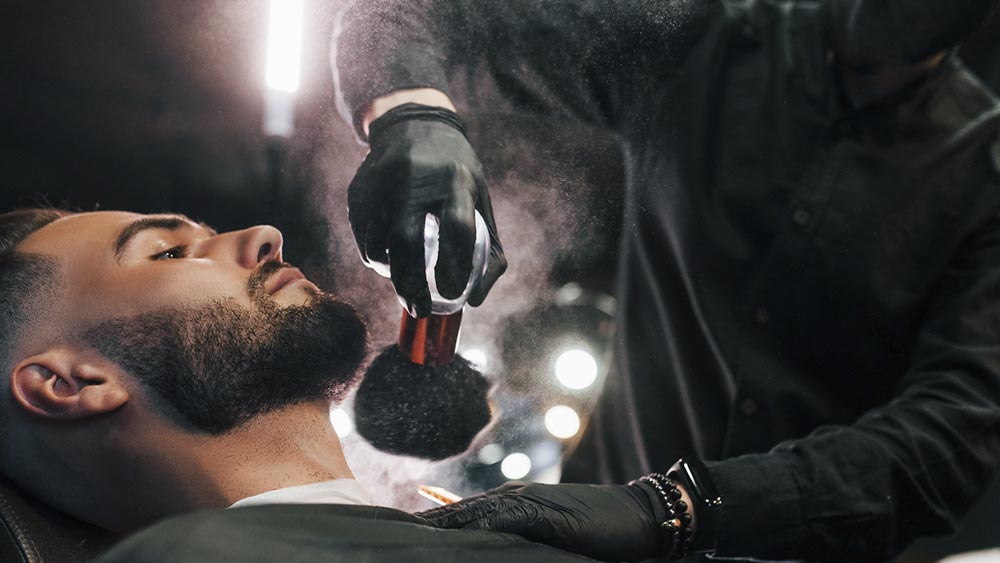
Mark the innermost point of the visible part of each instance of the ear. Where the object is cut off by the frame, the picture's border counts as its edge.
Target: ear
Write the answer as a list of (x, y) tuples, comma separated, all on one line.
[(68, 384)]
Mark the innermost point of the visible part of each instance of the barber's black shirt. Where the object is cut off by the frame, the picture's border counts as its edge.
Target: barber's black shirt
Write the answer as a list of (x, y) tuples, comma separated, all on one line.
[(809, 293)]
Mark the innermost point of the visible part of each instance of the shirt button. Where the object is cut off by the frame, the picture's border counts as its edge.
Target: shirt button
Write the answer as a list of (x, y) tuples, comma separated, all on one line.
[(800, 216), (762, 315), (749, 407)]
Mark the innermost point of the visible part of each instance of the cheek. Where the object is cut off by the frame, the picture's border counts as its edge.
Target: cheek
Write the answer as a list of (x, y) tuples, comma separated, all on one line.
[(208, 285), (152, 288)]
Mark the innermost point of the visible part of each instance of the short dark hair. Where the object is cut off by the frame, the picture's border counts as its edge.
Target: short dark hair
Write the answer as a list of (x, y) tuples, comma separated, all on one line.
[(24, 277)]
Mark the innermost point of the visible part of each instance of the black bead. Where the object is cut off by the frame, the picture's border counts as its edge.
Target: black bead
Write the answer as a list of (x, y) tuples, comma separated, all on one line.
[(681, 506), (686, 519), (674, 494), (687, 532)]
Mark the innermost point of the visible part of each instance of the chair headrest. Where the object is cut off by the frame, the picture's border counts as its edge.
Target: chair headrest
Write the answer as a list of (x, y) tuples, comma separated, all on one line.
[(31, 532)]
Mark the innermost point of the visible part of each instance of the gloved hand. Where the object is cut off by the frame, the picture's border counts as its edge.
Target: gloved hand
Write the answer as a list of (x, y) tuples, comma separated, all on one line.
[(421, 162), (612, 523)]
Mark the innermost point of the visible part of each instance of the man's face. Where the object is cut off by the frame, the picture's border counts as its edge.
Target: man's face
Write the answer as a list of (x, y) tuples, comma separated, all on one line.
[(215, 324)]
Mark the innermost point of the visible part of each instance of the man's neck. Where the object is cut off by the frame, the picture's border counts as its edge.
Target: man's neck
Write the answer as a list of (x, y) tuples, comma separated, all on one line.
[(294, 446), (291, 447)]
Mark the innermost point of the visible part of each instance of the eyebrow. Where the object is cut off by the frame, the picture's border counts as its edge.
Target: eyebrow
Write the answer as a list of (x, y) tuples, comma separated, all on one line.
[(166, 222)]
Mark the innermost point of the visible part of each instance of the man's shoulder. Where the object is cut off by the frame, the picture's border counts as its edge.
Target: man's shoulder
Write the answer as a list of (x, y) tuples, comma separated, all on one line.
[(317, 532)]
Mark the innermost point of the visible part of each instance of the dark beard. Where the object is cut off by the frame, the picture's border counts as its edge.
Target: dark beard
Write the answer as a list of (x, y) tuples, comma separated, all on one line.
[(219, 364)]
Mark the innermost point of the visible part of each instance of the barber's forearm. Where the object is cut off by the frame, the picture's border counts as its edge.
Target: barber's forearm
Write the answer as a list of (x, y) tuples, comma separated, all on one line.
[(382, 46), (424, 96)]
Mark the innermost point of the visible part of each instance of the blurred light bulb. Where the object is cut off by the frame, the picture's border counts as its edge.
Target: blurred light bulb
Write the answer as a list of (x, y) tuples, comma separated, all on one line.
[(342, 423), (490, 454), (284, 45), (550, 476), (515, 466), (576, 369), (562, 421), (476, 357)]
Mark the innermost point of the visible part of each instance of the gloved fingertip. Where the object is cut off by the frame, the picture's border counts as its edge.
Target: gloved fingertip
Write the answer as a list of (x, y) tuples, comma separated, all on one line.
[(485, 285), (477, 297), (422, 307), (451, 281)]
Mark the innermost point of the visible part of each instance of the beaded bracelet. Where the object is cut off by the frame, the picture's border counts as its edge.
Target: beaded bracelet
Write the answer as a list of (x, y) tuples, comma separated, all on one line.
[(677, 526)]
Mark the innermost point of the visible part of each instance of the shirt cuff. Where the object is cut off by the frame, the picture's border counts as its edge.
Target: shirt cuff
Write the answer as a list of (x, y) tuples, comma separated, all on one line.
[(762, 508)]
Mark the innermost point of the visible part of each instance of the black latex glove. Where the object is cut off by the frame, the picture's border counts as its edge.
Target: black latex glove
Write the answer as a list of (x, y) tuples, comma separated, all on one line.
[(612, 523), (421, 162)]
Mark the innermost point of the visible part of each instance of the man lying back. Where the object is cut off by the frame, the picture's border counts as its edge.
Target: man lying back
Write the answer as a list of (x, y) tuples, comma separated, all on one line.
[(154, 367)]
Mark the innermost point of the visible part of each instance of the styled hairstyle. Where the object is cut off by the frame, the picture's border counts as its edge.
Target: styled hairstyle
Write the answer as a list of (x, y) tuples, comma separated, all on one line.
[(24, 277)]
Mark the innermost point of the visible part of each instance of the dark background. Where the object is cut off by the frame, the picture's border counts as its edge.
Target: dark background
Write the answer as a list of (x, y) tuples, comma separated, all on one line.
[(154, 105), (157, 105)]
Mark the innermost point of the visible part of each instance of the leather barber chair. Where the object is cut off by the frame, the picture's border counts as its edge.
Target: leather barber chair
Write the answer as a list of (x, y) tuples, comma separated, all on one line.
[(31, 532)]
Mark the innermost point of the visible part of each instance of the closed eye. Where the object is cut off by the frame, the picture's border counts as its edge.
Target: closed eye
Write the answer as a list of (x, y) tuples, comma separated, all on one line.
[(174, 253)]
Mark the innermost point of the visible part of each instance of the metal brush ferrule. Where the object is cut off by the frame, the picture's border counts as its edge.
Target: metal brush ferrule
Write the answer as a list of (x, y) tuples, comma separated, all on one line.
[(432, 340)]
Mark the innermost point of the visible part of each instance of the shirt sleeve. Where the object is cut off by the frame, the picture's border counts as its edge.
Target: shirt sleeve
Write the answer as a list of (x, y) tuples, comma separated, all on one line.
[(910, 468), (580, 58), (869, 33)]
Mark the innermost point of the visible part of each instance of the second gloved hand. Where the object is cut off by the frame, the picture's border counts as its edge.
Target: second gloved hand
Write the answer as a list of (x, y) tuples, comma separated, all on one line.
[(612, 523), (421, 162)]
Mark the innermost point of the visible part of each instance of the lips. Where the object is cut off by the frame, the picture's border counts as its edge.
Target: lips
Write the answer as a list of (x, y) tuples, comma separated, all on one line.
[(282, 278)]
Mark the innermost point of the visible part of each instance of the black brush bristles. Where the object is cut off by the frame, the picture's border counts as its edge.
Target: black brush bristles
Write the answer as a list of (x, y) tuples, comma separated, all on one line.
[(430, 412)]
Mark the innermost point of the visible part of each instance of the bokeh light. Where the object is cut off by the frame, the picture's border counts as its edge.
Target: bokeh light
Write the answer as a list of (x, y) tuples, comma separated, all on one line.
[(516, 465), (490, 454), (576, 369), (562, 421)]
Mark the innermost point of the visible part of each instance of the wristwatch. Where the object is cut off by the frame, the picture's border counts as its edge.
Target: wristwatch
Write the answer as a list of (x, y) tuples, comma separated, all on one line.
[(694, 477)]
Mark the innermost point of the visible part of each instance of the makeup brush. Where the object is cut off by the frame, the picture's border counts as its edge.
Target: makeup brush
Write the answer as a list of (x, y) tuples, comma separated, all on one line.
[(418, 397)]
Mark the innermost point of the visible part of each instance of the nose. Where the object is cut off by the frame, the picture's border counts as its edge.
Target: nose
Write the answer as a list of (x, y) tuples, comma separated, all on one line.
[(259, 244)]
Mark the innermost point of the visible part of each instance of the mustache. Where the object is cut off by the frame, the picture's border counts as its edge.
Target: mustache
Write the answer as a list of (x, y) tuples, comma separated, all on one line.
[(255, 285)]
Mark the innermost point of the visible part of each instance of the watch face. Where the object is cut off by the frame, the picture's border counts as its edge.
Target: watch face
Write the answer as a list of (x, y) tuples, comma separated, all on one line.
[(695, 477)]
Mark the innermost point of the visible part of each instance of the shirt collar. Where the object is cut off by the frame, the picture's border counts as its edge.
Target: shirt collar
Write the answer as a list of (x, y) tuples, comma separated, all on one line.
[(337, 491)]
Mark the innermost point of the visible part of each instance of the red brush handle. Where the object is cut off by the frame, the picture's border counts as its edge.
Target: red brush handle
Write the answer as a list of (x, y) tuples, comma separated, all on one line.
[(431, 340)]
